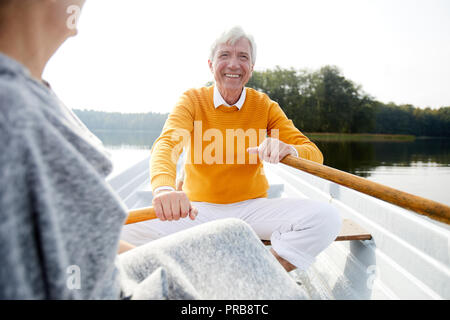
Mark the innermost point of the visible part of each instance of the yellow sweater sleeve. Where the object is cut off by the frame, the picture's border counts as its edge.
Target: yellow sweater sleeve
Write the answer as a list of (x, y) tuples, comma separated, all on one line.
[(289, 134), (168, 147)]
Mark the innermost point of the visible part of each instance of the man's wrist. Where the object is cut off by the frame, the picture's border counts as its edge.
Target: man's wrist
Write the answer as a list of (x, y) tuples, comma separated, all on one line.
[(163, 189), (294, 151)]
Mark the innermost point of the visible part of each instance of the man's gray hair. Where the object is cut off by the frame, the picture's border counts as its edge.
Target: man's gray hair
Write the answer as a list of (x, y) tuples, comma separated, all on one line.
[(231, 36)]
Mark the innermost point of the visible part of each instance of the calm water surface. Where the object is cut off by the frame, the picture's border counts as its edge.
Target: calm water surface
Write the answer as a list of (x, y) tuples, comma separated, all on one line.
[(421, 167)]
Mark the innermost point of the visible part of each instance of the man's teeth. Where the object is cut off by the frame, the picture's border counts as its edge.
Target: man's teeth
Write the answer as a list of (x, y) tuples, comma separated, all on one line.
[(232, 75)]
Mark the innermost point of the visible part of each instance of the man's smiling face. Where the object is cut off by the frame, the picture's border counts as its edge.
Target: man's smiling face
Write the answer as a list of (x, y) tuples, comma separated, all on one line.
[(232, 66)]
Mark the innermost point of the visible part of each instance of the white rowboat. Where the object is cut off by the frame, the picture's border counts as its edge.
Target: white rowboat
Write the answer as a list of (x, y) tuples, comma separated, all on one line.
[(407, 256)]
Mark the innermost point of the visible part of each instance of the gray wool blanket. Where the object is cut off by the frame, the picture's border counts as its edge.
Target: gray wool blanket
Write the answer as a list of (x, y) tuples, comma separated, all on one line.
[(60, 221), (221, 260)]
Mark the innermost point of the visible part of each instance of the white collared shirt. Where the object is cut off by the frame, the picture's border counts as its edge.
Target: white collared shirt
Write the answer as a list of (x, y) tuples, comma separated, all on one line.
[(219, 100)]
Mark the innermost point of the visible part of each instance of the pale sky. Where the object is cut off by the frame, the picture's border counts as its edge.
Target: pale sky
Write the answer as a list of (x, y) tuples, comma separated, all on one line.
[(141, 55)]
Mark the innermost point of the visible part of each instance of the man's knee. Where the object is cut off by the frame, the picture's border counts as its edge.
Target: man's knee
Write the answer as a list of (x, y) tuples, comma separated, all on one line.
[(233, 226), (321, 216), (329, 220)]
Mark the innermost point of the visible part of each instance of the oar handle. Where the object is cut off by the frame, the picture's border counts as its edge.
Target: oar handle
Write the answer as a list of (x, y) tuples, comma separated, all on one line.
[(141, 214), (430, 208)]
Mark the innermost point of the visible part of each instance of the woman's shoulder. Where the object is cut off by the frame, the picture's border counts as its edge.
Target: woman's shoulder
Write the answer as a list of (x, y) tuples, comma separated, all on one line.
[(16, 103)]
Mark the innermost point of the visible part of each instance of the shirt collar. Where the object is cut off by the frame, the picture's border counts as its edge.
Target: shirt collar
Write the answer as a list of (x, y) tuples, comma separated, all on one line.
[(219, 100)]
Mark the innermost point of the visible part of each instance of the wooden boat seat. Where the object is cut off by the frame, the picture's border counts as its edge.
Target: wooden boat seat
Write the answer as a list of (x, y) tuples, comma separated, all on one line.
[(350, 231)]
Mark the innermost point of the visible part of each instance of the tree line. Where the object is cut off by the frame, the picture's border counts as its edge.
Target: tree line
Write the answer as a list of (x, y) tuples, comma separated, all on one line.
[(316, 101), (99, 120), (325, 101)]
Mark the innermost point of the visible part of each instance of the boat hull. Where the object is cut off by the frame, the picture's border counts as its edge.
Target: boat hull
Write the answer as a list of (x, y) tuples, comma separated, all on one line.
[(407, 257)]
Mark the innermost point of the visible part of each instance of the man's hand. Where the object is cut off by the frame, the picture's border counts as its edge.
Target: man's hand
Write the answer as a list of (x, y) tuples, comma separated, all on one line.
[(273, 150), (173, 205)]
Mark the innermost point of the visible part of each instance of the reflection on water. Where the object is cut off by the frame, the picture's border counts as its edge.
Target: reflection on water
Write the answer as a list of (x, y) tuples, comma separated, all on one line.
[(421, 167), (118, 138), (123, 157), (427, 180), (361, 157)]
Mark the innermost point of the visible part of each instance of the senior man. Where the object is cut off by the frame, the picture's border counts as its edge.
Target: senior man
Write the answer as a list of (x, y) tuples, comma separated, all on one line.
[(224, 177)]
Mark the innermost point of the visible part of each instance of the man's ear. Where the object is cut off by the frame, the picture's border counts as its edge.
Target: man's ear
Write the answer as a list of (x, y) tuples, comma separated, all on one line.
[(210, 64)]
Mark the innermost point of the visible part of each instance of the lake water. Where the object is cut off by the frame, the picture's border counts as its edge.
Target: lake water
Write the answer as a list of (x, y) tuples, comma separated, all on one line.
[(420, 167)]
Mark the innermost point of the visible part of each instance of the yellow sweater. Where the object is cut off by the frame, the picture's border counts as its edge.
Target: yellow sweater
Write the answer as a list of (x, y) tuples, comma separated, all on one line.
[(217, 168)]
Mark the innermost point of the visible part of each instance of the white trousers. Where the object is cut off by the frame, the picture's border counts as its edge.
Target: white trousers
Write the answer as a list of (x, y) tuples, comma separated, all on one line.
[(299, 229)]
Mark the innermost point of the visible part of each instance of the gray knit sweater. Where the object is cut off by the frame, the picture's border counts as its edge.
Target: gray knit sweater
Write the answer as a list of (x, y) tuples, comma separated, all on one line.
[(59, 220)]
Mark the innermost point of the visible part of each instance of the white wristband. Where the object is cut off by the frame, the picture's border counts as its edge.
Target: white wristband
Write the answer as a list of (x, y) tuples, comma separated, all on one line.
[(295, 150), (163, 188)]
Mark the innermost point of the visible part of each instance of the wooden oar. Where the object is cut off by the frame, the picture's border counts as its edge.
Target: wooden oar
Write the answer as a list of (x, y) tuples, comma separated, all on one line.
[(139, 215), (432, 209)]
